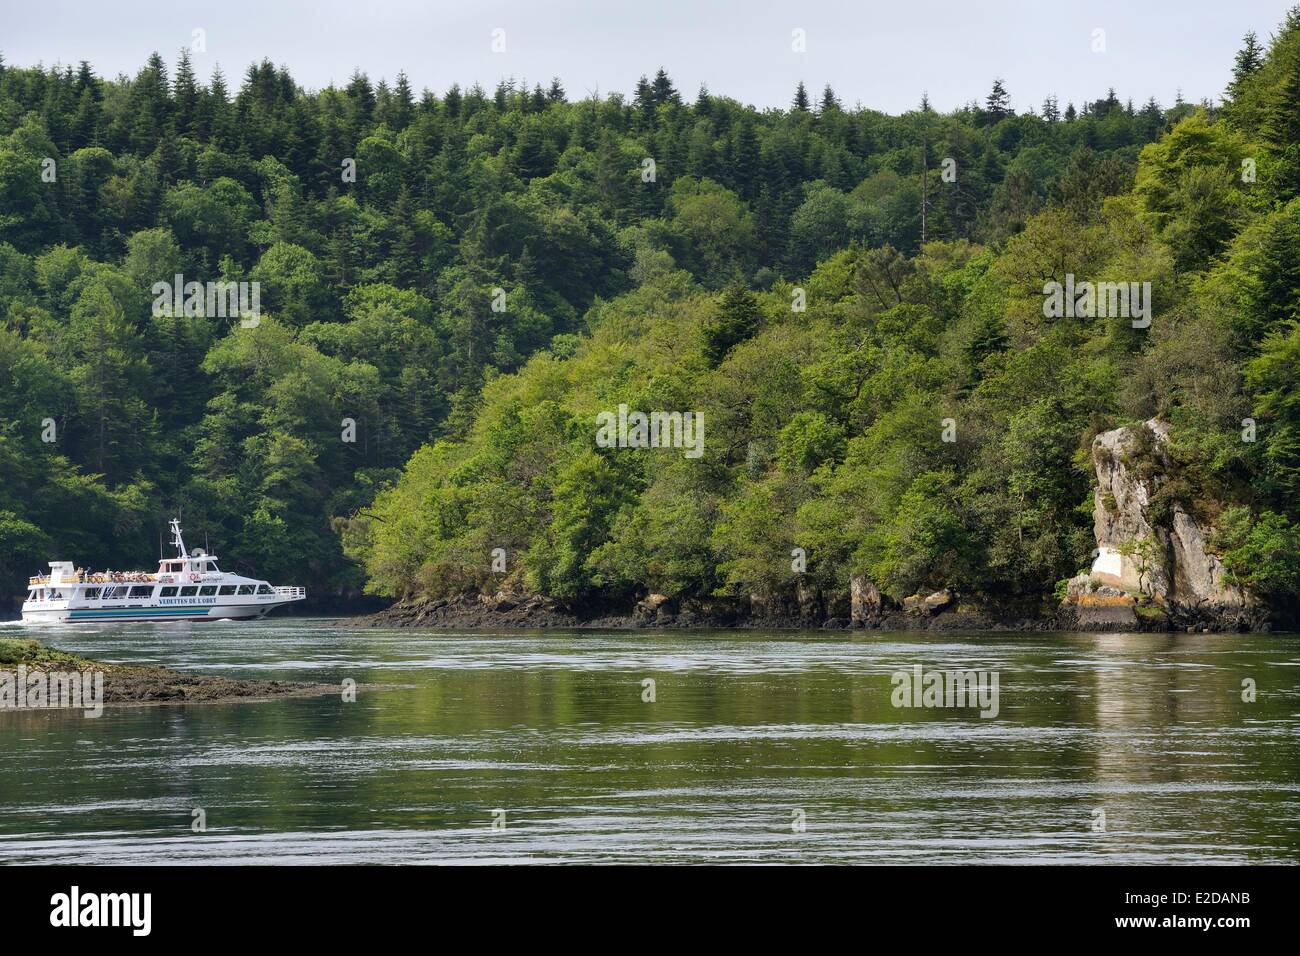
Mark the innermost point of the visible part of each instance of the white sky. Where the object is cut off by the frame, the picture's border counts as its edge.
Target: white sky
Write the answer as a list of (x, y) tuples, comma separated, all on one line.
[(882, 54)]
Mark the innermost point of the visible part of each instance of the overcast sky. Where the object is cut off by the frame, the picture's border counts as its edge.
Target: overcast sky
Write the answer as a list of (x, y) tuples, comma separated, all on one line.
[(882, 54)]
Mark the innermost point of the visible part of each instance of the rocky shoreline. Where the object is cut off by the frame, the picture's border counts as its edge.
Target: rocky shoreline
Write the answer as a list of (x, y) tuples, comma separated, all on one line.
[(943, 612), (143, 684)]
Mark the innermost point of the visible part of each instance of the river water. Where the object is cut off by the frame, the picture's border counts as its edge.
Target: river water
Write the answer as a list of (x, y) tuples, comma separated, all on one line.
[(757, 747)]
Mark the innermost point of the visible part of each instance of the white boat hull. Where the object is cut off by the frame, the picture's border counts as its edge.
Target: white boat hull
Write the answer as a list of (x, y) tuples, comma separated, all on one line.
[(87, 615)]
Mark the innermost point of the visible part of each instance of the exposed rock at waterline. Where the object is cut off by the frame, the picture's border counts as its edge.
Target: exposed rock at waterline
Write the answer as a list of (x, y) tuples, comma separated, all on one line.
[(867, 604), (1153, 567)]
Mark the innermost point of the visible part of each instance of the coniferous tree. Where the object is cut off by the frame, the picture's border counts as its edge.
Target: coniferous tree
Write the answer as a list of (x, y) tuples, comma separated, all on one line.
[(663, 91), (998, 103), (800, 102), (403, 103), (186, 95), (1281, 129), (1249, 59), (703, 102), (737, 319)]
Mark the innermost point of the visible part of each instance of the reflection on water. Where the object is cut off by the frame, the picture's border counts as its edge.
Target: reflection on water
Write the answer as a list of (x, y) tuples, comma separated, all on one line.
[(748, 734)]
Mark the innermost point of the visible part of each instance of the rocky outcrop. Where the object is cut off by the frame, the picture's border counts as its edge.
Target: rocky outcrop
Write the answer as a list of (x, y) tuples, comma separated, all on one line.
[(929, 603), (1153, 568), (504, 609), (866, 604), (655, 609)]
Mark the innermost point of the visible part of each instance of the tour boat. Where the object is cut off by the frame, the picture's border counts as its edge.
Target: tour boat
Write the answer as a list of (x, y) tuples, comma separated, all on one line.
[(188, 587)]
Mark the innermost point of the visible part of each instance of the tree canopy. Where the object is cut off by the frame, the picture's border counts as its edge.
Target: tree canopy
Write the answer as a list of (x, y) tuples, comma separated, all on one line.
[(453, 285)]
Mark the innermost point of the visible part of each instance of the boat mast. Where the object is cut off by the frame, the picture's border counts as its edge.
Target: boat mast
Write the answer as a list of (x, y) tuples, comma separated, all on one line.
[(176, 536)]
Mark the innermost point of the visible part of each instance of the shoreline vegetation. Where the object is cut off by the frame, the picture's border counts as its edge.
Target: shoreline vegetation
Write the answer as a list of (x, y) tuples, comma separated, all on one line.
[(147, 684)]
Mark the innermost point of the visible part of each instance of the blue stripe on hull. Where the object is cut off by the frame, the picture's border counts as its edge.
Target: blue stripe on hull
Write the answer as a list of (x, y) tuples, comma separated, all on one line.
[(139, 614), (152, 617), (140, 610)]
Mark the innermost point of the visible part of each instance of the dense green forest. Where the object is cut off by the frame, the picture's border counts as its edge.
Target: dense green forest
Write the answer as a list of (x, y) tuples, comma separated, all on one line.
[(836, 290)]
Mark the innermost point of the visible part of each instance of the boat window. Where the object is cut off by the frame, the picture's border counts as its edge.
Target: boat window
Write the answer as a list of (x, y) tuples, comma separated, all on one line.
[(92, 594), (226, 589), (189, 592), (56, 595), (142, 591), (246, 589), (208, 590), (167, 592), (40, 594), (264, 589)]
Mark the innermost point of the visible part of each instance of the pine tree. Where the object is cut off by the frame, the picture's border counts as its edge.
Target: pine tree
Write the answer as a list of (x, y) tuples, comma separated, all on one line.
[(1281, 126), (800, 103), (403, 103), (663, 91), (997, 104), (829, 103), (703, 102), (1249, 59), (644, 98), (150, 105), (1281, 130), (186, 95), (737, 319), (362, 96), (216, 106), (86, 79), (452, 101)]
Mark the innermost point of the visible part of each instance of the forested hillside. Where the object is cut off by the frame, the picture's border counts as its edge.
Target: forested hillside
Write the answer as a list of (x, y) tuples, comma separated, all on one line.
[(504, 266)]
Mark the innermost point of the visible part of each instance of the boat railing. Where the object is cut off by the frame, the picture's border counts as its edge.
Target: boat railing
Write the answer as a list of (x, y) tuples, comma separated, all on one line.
[(100, 577), (292, 594)]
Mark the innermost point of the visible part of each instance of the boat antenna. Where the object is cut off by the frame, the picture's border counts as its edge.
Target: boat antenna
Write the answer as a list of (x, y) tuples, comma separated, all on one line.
[(176, 536)]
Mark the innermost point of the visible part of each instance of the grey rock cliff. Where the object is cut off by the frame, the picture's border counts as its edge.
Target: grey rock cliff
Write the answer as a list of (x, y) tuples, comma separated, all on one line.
[(1139, 557)]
